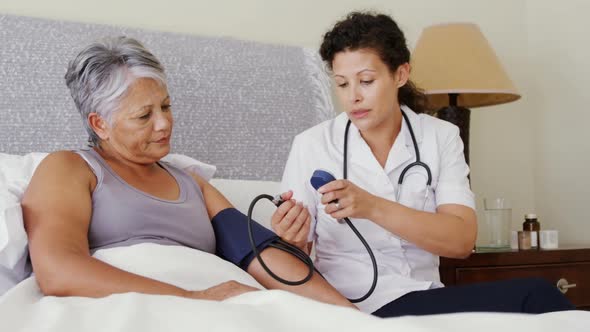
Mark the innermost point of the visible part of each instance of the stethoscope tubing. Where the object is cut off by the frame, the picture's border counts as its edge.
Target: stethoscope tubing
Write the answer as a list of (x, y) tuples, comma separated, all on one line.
[(417, 163)]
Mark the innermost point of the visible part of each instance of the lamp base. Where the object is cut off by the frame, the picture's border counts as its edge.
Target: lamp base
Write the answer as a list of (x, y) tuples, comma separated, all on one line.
[(460, 117)]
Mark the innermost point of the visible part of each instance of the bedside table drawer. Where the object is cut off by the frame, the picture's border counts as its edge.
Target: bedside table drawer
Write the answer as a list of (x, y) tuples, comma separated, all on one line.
[(574, 273)]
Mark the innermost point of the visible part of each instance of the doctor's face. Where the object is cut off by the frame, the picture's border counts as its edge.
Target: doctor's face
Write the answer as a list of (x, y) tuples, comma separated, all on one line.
[(366, 88)]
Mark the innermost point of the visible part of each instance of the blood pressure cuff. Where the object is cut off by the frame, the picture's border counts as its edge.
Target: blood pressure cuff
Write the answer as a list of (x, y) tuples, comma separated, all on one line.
[(231, 237)]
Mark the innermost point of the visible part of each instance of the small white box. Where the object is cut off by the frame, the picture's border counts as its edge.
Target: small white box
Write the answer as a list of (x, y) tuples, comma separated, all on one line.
[(549, 239)]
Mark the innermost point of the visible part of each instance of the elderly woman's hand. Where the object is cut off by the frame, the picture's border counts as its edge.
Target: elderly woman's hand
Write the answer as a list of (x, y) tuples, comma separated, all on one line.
[(291, 221), (222, 291)]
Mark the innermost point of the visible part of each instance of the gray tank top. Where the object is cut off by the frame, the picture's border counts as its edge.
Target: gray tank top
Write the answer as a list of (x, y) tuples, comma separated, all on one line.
[(123, 215)]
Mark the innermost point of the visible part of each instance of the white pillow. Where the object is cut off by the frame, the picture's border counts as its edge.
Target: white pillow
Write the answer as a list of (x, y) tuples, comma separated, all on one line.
[(206, 171), (15, 173), (241, 193)]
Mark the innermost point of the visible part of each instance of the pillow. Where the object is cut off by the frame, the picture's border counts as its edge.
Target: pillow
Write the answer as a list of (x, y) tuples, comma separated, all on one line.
[(15, 173), (189, 164), (241, 193), (11, 277)]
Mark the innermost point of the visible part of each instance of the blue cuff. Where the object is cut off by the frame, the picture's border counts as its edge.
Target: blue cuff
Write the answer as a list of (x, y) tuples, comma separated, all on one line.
[(231, 237)]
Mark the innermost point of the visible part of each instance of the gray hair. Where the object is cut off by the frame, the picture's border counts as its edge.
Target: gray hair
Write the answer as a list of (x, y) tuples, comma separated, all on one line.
[(103, 71)]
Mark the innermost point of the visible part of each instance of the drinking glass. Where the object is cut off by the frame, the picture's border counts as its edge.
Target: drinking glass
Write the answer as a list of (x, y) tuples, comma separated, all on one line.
[(494, 231)]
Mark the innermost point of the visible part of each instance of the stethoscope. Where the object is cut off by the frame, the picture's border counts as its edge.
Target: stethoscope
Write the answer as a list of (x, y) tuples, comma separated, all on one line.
[(325, 177), (417, 163)]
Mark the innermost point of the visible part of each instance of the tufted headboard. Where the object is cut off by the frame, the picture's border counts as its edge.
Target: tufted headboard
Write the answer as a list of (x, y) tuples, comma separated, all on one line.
[(237, 104)]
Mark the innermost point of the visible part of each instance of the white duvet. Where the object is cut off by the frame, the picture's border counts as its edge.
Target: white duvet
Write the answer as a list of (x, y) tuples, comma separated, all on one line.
[(24, 308)]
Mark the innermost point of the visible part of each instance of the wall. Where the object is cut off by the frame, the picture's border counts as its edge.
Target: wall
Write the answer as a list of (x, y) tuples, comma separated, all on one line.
[(503, 150), (560, 76)]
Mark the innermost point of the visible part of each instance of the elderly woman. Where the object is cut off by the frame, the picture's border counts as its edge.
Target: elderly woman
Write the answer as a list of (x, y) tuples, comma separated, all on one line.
[(117, 193)]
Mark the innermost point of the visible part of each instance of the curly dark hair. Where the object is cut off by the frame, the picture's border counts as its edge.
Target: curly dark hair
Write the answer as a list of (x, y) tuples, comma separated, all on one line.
[(380, 33)]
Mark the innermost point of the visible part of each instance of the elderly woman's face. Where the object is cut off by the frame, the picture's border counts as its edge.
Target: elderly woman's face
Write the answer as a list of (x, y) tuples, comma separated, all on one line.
[(142, 126)]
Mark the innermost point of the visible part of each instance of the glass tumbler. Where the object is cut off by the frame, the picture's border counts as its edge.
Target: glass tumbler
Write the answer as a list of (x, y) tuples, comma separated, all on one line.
[(494, 231)]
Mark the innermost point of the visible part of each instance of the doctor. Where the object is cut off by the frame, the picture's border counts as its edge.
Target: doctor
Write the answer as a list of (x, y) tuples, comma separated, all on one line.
[(409, 226)]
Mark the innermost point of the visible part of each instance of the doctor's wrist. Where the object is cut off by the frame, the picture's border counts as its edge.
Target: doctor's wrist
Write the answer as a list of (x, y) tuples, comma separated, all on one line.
[(303, 246), (299, 244), (381, 209), (376, 207)]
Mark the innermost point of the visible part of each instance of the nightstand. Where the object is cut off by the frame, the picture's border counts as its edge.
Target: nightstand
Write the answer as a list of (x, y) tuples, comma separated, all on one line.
[(567, 267)]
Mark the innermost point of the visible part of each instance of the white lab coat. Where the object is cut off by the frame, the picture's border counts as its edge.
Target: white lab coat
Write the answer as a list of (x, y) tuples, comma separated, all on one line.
[(340, 256)]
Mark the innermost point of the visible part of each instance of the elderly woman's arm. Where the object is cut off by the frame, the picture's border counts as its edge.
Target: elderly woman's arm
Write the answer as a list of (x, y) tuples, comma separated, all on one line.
[(57, 208), (281, 262)]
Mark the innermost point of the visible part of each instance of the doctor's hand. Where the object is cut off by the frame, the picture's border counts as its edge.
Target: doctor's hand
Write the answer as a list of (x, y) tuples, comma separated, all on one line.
[(291, 221), (353, 202)]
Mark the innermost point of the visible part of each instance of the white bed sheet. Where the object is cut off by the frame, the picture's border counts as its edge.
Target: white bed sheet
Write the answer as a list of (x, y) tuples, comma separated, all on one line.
[(24, 308)]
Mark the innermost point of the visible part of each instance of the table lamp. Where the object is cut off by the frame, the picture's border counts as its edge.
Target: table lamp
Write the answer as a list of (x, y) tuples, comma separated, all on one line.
[(457, 69)]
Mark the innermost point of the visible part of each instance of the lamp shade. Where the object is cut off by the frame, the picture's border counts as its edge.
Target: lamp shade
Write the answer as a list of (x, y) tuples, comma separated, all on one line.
[(456, 58)]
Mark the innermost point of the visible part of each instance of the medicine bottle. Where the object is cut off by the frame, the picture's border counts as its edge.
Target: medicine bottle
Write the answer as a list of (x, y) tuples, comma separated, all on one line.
[(532, 225)]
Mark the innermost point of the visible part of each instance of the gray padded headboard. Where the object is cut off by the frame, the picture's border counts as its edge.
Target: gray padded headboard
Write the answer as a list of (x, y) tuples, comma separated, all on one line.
[(237, 104)]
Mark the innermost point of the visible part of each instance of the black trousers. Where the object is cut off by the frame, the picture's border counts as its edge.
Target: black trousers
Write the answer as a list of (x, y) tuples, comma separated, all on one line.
[(529, 295)]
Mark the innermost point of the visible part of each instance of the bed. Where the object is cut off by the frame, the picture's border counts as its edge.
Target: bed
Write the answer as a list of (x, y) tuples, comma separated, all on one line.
[(238, 104)]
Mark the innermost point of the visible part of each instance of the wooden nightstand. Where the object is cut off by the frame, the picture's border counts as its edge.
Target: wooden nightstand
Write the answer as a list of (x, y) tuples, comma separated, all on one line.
[(570, 264)]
